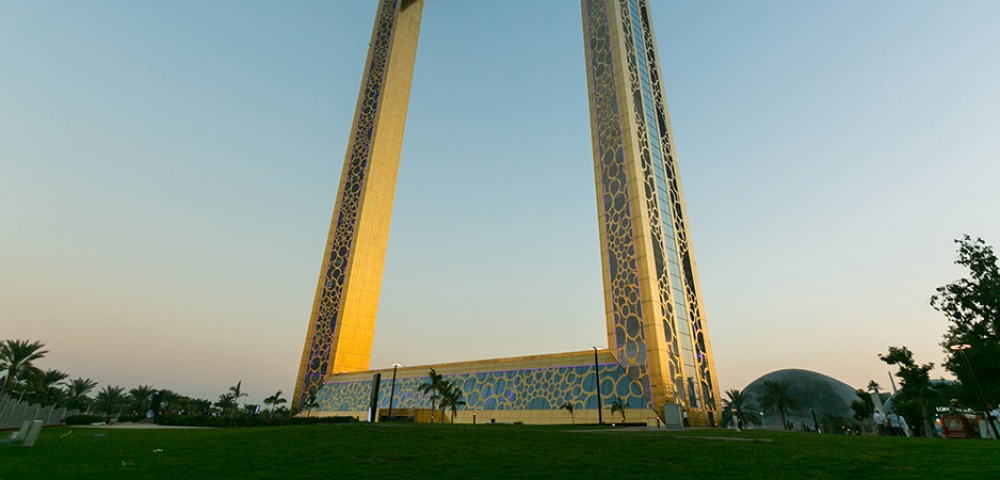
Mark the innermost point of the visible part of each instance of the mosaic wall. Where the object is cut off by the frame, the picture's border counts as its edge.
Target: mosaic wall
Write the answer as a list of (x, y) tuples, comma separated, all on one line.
[(531, 389), (348, 204), (630, 342)]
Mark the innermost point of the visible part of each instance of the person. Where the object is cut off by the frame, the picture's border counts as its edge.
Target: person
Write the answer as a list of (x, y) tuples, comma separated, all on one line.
[(879, 423), (895, 429), (684, 417)]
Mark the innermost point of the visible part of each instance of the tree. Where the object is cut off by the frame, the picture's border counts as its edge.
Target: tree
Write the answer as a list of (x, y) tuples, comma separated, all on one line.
[(740, 405), (972, 307), (200, 406), (777, 397), (226, 402), (310, 403), (171, 401), (568, 406), (76, 393), (110, 399), (914, 379), (617, 405), (237, 394), (451, 398), (863, 407), (432, 387), (43, 387), (16, 357), (140, 397), (274, 401), (874, 387)]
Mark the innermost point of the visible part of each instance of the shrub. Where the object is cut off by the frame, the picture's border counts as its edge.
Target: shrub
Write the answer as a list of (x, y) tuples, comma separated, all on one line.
[(245, 421), (83, 419)]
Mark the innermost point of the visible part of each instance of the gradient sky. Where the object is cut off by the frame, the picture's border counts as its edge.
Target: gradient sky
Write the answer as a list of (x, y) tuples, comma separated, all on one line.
[(168, 172)]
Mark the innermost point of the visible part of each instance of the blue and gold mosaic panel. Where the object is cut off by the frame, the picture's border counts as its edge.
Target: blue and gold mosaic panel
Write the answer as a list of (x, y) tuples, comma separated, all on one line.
[(528, 389), (611, 168)]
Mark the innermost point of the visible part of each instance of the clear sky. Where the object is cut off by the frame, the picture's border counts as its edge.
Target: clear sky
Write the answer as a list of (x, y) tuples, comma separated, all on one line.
[(168, 171)]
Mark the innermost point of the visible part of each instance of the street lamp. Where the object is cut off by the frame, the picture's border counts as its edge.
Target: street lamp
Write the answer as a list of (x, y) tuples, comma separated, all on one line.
[(597, 385), (392, 388), (961, 348)]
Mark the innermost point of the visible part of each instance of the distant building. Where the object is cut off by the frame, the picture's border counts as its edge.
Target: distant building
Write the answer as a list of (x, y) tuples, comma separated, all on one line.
[(816, 392)]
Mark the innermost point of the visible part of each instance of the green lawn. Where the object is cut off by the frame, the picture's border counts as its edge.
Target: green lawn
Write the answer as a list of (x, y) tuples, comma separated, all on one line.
[(494, 451)]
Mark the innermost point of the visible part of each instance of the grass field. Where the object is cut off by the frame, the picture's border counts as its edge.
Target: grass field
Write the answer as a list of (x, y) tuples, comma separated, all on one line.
[(495, 451)]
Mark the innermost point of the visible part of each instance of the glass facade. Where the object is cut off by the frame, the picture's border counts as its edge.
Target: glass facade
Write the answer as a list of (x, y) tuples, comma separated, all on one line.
[(665, 204)]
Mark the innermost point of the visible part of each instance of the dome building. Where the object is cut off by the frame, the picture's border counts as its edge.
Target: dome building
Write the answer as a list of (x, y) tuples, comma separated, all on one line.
[(816, 392)]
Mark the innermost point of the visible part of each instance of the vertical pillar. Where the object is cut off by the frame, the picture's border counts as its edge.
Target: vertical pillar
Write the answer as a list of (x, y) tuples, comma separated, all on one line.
[(343, 316), (652, 298)]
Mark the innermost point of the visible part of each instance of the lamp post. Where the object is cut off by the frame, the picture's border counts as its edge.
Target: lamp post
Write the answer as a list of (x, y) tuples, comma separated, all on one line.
[(392, 388), (961, 348), (597, 386)]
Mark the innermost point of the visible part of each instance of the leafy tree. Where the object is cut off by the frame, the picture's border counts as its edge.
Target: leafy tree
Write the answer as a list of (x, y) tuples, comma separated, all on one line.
[(915, 381), (237, 394), (740, 405), (110, 399), (777, 397), (972, 307), (16, 357), (76, 393), (140, 398), (617, 405), (432, 386), (451, 398), (568, 406), (274, 401), (863, 407)]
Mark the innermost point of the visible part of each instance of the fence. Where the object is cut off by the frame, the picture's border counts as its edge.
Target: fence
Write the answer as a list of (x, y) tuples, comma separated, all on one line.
[(14, 412)]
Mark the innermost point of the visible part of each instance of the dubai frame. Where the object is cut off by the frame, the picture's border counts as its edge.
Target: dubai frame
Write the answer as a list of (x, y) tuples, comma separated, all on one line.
[(659, 356)]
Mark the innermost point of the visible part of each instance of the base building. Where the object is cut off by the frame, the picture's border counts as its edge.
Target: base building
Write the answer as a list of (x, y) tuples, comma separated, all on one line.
[(658, 358)]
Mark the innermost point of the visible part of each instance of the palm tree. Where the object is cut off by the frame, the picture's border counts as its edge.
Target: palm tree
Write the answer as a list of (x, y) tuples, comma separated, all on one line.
[(237, 394), (310, 403), (226, 402), (274, 401), (42, 387), (76, 393), (617, 405), (141, 397), (451, 397), (740, 406), (16, 357), (171, 401), (568, 406), (110, 399), (874, 387), (432, 386), (200, 406), (777, 397)]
